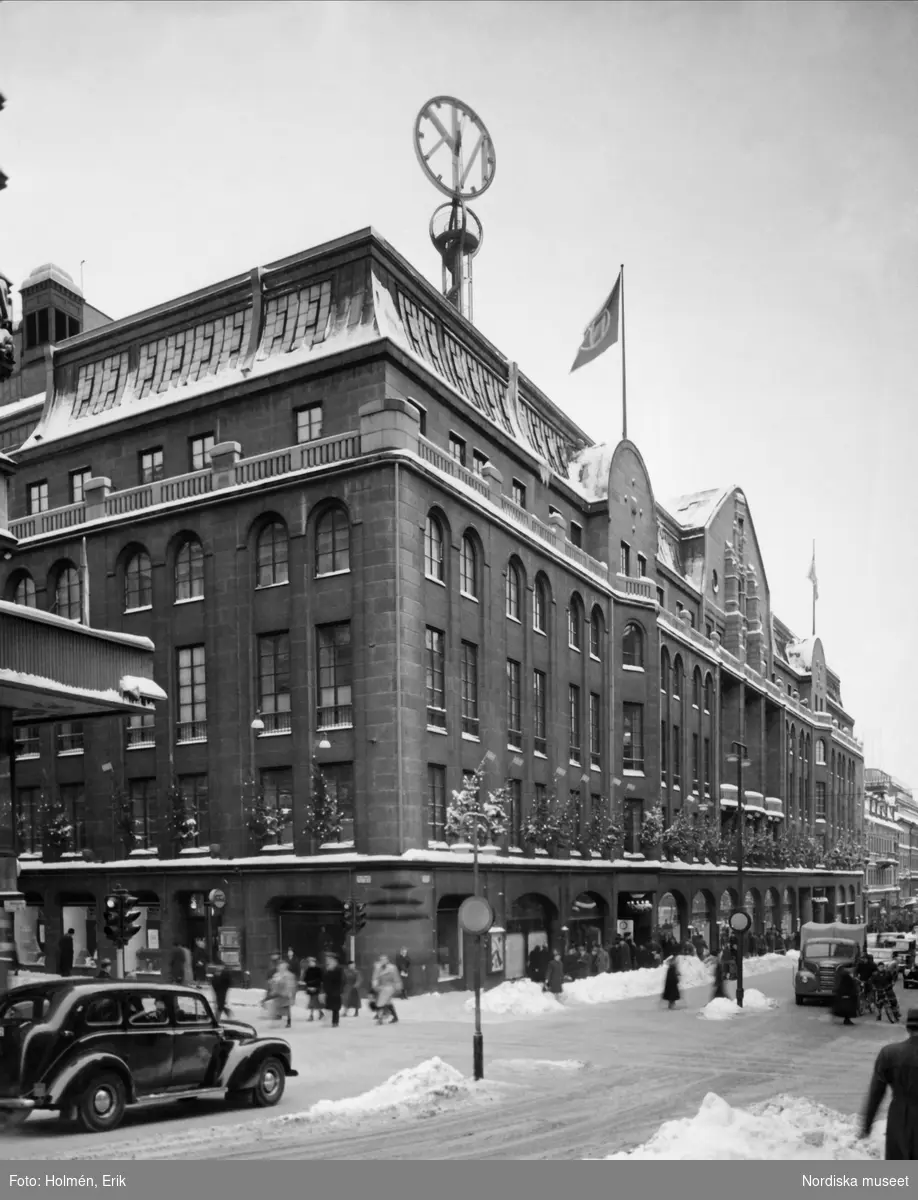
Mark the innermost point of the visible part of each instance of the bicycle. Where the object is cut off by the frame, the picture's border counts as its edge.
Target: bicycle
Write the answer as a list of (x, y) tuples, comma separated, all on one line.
[(887, 1002)]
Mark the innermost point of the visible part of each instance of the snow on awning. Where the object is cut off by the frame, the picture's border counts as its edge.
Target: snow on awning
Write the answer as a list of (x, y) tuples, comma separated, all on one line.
[(143, 689)]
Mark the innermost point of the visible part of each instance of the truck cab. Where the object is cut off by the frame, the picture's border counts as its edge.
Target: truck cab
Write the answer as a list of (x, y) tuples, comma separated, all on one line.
[(824, 951)]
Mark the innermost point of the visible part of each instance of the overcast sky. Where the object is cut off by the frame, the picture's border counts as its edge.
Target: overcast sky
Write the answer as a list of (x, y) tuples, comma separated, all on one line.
[(754, 166)]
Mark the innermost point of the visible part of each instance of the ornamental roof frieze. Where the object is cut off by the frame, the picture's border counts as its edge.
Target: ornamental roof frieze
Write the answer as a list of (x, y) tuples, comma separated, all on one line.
[(300, 310)]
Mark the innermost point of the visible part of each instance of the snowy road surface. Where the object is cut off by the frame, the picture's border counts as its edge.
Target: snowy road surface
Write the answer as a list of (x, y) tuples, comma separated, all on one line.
[(585, 1082)]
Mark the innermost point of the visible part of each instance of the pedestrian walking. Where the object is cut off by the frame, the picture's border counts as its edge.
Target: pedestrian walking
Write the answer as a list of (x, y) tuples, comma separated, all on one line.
[(623, 955), (896, 1068), (352, 982), (281, 992), (403, 966), (65, 954), (221, 984), (554, 975), (720, 992), (387, 983), (602, 960), (312, 982), (671, 993), (632, 952), (845, 1000), (177, 964), (333, 987)]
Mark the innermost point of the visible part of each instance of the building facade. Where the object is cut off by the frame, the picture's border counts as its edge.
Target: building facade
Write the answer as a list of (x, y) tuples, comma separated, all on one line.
[(891, 825), (364, 545)]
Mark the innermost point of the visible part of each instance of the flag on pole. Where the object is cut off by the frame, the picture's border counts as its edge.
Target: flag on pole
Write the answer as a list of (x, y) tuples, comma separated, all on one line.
[(811, 574), (602, 331)]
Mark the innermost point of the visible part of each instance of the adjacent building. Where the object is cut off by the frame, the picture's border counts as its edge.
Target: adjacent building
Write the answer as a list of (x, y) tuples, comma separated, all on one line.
[(371, 552), (891, 825)]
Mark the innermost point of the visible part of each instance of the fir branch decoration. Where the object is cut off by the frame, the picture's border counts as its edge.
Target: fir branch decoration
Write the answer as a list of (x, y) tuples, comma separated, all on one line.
[(323, 818), (57, 829), (492, 807), (540, 830), (652, 827), (123, 811), (604, 836), (182, 827), (265, 822)]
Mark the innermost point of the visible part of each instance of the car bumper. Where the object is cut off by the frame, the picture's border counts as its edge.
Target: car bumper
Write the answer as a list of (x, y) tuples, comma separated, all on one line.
[(15, 1104)]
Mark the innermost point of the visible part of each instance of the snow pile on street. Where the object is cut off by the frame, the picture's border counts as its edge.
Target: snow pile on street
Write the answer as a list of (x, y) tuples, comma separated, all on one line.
[(420, 1091), (784, 1128), (627, 985), (521, 998), (538, 1066), (722, 1009)]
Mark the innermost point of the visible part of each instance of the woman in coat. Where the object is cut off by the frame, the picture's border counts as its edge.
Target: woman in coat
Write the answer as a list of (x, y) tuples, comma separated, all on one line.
[(720, 992), (554, 975), (281, 992), (352, 982), (312, 982), (844, 1002), (333, 987), (671, 992), (388, 984)]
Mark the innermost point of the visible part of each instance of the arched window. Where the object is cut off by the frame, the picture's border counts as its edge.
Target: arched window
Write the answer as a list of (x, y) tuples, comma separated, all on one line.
[(596, 633), (513, 590), (664, 671), (24, 591), (468, 568), (633, 645), (138, 581), (820, 752), (540, 606), (189, 571), (68, 594), (708, 694), (575, 624), (696, 688), (272, 555), (333, 542), (433, 549), (677, 679)]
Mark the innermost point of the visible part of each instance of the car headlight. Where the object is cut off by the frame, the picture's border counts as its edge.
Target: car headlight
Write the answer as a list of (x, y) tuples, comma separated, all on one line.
[(805, 976)]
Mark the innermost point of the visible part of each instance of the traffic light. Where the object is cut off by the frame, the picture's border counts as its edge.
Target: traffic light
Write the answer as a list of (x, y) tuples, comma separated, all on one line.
[(122, 918), (349, 914), (360, 916)]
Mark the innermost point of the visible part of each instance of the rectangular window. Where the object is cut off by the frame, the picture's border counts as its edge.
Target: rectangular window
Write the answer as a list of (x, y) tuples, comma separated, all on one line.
[(457, 448), (624, 559), (28, 741), (820, 799), (820, 752), (192, 695), (151, 465), (274, 682), (142, 795), (73, 326), (633, 737), (516, 812), (677, 757), (29, 820), (436, 802), (576, 535), (73, 802), (479, 462), (642, 565), (78, 481), (709, 634), (576, 810), (199, 449), (339, 778), (707, 766), (60, 326), (38, 497), (435, 642), (70, 737), (595, 730), (422, 416), (277, 790), (335, 676), (573, 703), (140, 731), (540, 796), (634, 817), (37, 328), (660, 597), (518, 493), (539, 689), (514, 706), (309, 423), (470, 689), (196, 802), (696, 762), (664, 752)]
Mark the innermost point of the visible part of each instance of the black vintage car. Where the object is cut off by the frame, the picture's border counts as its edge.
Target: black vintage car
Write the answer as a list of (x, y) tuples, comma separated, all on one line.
[(89, 1048)]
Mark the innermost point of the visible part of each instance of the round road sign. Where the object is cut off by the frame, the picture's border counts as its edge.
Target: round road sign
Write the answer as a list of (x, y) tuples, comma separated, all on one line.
[(476, 915), (216, 898), (740, 921)]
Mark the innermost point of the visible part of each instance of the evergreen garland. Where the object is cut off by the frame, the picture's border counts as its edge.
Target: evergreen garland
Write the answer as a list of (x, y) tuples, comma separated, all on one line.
[(323, 818), (493, 808)]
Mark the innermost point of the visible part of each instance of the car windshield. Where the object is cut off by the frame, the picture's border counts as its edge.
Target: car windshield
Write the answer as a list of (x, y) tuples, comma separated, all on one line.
[(829, 950)]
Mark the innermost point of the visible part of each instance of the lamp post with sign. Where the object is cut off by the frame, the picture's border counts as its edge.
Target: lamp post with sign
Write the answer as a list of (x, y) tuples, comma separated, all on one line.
[(476, 917), (740, 920)]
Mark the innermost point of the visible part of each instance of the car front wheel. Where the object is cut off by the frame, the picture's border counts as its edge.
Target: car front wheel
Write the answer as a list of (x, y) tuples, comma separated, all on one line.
[(101, 1105), (269, 1083)]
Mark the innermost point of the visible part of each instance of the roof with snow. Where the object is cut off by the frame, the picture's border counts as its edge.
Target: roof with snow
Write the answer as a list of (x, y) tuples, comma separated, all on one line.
[(697, 509), (800, 654), (588, 470), (351, 293), (56, 274)]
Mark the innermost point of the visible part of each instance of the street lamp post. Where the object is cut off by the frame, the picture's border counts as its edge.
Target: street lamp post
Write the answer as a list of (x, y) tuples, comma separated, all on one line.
[(739, 757)]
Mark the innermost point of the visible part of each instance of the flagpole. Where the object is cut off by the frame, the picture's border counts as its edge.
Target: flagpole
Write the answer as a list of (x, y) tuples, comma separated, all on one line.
[(624, 379), (814, 587)]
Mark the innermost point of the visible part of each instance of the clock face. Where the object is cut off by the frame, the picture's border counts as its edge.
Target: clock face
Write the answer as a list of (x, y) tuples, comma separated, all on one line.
[(454, 148)]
